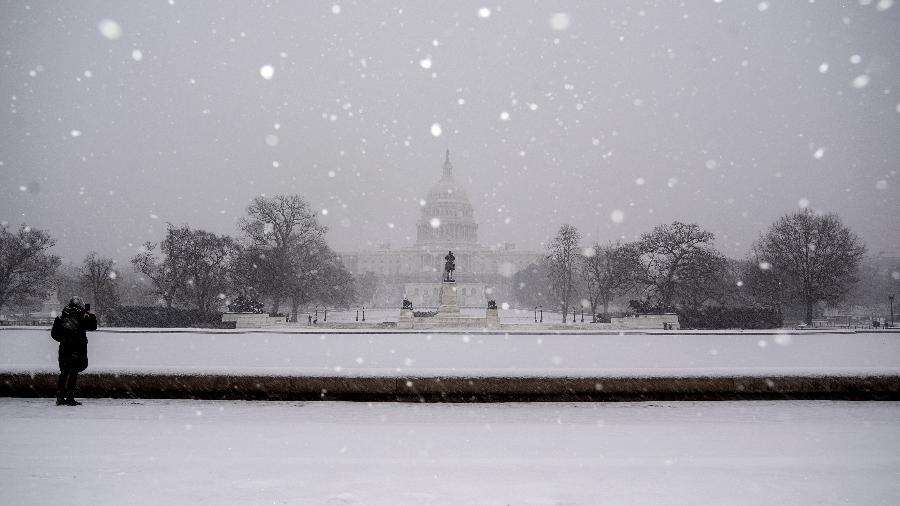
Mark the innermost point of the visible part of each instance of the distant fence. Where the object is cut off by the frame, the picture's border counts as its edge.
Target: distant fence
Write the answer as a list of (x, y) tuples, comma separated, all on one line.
[(35, 322)]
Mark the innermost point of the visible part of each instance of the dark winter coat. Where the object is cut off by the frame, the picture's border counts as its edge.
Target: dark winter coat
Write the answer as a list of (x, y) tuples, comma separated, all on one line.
[(70, 329)]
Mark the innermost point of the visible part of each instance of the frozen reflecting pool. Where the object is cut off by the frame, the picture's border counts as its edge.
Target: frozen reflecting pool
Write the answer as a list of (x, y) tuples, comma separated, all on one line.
[(219, 452)]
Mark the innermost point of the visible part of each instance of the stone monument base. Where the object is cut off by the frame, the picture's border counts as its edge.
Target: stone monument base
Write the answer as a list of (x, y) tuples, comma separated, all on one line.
[(449, 307), (448, 314)]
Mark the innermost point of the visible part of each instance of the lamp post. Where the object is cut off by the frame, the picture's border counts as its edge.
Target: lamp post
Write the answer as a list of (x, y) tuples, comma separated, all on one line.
[(357, 314), (535, 314), (541, 309), (325, 308), (364, 313), (891, 300), (582, 315)]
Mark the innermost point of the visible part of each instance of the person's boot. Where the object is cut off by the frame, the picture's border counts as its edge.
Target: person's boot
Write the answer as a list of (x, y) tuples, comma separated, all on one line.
[(60, 400), (72, 402)]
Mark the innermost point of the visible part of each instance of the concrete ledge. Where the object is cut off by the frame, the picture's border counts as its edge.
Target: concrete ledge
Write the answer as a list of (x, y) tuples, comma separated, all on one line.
[(458, 389)]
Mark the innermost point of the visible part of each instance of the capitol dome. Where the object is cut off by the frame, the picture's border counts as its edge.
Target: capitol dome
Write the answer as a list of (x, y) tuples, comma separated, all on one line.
[(447, 216)]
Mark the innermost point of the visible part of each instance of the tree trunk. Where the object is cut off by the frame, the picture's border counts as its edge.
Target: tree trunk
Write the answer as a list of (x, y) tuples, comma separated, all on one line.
[(565, 311), (276, 305), (295, 306), (809, 311)]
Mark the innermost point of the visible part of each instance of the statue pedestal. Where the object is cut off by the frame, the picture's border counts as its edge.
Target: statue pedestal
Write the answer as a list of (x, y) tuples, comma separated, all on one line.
[(449, 305)]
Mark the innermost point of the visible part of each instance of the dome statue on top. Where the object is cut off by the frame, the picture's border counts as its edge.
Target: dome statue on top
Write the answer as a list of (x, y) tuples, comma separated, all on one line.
[(447, 216)]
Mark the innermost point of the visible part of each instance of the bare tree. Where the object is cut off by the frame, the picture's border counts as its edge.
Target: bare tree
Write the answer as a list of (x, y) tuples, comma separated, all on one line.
[(194, 268), (364, 291), (307, 274), (280, 230), (817, 255), (208, 266), (336, 285), (169, 274), (563, 262), (100, 282), (26, 267), (67, 282), (767, 287), (669, 254), (531, 285), (609, 270), (702, 278)]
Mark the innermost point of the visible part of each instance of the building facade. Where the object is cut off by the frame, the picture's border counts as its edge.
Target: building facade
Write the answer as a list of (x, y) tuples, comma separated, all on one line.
[(446, 223)]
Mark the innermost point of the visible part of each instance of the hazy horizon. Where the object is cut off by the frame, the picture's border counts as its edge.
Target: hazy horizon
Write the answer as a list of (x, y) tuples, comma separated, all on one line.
[(728, 114)]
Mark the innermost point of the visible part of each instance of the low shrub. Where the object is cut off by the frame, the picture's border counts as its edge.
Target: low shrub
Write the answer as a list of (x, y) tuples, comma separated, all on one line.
[(721, 317), (162, 317)]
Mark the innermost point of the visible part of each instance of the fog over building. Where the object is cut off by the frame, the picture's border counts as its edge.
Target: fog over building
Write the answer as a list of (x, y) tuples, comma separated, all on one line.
[(446, 223)]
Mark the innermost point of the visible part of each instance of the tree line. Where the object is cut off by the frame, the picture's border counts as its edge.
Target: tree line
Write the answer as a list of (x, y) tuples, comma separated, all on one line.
[(803, 259), (280, 257)]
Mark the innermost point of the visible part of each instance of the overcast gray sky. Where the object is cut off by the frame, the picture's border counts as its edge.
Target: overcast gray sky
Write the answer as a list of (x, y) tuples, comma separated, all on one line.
[(726, 113)]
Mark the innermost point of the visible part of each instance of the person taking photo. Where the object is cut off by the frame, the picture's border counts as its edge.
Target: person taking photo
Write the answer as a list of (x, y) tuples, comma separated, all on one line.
[(70, 330)]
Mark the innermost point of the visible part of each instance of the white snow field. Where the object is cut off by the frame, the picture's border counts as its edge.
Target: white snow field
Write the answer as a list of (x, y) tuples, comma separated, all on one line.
[(226, 452), (448, 354)]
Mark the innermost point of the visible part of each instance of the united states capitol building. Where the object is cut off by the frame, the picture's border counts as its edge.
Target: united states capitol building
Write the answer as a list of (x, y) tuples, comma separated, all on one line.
[(447, 223)]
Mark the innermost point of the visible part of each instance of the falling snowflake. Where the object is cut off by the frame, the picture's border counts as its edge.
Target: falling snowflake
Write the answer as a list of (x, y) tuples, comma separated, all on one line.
[(267, 72), (436, 129), (109, 29), (560, 21), (484, 12), (860, 81)]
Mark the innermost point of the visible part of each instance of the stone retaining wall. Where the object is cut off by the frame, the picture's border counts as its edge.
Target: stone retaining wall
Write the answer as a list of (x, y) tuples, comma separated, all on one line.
[(458, 389), (254, 320)]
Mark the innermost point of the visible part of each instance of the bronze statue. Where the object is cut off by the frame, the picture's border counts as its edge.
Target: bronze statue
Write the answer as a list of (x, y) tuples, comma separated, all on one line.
[(449, 266)]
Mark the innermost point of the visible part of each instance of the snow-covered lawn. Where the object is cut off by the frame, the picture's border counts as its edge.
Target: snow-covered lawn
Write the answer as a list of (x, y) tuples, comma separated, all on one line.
[(422, 354), (220, 452)]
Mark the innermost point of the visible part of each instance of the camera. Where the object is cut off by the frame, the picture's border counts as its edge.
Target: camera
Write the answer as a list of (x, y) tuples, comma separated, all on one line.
[(87, 307)]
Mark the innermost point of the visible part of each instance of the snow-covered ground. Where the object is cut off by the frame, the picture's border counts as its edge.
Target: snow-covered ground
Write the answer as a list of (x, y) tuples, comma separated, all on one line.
[(219, 452), (422, 354)]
